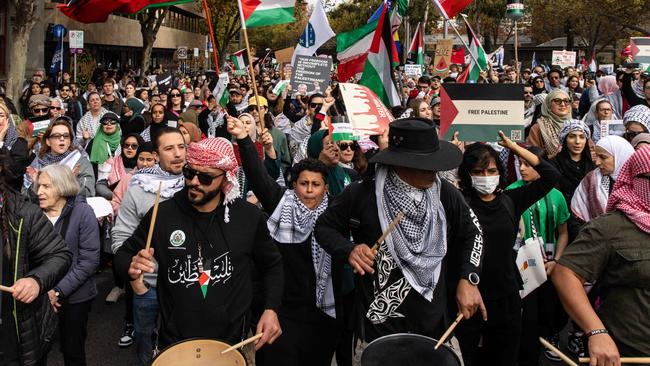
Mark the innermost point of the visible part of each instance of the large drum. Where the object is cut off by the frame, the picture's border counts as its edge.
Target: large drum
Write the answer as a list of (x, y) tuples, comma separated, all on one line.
[(405, 349), (199, 352)]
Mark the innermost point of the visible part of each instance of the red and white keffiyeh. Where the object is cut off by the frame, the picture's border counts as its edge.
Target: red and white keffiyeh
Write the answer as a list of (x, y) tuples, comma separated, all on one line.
[(631, 194), (217, 153)]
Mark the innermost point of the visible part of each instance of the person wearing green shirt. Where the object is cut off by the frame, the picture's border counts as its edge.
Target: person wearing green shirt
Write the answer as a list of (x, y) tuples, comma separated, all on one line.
[(542, 311)]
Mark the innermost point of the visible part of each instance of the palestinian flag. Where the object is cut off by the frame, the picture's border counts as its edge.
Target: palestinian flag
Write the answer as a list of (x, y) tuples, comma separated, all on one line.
[(416, 51), (475, 49), (260, 13), (204, 281), (239, 59), (341, 131), (220, 91), (378, 71), (97, 11)]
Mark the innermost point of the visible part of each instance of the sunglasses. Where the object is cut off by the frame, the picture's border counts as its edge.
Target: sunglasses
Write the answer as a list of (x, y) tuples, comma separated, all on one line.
[(108, 122), (55, 108), (345, 145), (204, 178), (315, 105), (130, 146), (59, 136), (174, 95), (40, 110), (629, 135), (561, 101), (65, 89)]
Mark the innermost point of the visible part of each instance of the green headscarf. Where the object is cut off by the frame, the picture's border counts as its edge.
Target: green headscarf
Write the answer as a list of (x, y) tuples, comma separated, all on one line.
[(102, 142), (337, 178), (136, 106), (548, 113)]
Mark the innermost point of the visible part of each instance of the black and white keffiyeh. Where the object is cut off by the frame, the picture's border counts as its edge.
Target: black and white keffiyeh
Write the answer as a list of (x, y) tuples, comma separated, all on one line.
[(292, 223), (419, 242), (215, 120), (149, 178)]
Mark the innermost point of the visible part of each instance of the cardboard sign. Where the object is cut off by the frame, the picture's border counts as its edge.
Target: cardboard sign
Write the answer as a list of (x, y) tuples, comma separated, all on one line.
[(284, 55), (442, 58), (365, 111), (612, 127), (413, 70), (479, 111), (564, 58), (310, 75)]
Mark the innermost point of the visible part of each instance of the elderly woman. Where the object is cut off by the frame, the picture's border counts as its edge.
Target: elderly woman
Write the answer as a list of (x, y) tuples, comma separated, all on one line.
[(590, 198), (58, 148), (74, 220), (89, 122), (556, 110), (612, 250)]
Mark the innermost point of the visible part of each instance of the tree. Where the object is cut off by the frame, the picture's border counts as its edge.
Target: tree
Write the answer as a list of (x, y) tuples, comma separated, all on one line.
[(21, 30), (150, 22), (224, 15)]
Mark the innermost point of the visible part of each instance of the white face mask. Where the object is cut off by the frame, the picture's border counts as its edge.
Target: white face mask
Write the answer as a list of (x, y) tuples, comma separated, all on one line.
[(485, 185)]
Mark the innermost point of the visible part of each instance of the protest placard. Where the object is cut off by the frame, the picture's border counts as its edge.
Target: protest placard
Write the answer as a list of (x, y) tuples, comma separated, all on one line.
[(40, 124), (442, 58), (284, 55), (413, 70), (479, 111), (564, 58), (310, 74), (364, 110), (612, 127)]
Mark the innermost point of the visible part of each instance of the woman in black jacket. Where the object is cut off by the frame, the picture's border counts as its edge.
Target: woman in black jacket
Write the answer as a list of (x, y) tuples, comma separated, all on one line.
[(308, 315), (74, 219), (34, 259), (481, 177)]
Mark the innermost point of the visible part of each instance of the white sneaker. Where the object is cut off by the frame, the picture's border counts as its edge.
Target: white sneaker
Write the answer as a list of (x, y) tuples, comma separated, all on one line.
[(114, 295)]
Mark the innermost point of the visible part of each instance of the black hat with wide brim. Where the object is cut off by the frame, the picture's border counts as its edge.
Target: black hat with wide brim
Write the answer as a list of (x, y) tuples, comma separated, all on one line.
[(413, 143)]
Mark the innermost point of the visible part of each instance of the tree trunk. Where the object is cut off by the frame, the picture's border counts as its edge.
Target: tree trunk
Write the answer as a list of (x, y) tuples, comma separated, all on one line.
[(150, 23), (21, 30), (568, 31)]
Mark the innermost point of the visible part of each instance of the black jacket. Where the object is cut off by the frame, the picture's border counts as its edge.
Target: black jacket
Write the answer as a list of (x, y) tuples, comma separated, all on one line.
[(355, 210), (40, 253), (230, 251)]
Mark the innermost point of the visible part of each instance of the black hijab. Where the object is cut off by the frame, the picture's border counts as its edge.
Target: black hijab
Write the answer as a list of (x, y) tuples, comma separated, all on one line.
[(572, 171), (130, 163)]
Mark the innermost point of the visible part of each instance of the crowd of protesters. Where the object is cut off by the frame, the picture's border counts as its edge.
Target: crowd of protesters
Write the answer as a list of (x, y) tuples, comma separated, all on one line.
[(267, 225)]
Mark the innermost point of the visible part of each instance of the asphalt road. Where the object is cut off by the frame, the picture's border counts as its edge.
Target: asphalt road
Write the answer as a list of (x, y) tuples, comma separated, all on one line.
[(105, 327)]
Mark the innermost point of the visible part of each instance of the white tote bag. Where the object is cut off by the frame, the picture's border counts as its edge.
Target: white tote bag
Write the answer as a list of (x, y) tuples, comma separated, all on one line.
[(530, 262)]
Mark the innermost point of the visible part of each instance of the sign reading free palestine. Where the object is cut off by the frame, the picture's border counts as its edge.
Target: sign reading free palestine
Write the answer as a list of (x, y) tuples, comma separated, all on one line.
[(478, 111)]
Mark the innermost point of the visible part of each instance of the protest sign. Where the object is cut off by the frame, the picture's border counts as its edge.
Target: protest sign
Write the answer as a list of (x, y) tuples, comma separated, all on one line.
[(284, 55), (608, 69), (413, 70), (310, 74), (612, 127), (164, 81), (364, 109), (40, 124), (442, 58), (564, 58), (479, 111)]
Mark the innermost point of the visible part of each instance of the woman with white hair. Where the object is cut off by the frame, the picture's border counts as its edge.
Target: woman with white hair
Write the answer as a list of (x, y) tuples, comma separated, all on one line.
[(74, 220)]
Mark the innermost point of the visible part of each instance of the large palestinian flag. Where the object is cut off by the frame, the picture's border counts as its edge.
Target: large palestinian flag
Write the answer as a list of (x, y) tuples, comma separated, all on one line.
[(260, 13), (97, 11)]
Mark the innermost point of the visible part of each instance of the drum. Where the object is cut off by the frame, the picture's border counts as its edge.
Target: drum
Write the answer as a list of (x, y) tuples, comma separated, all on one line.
[(199, 352), (405, 349)]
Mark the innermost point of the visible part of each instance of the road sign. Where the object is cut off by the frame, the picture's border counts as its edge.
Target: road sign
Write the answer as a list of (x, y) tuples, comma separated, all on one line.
[(478, 111), (196, 52), (76, 41), (181, 53)]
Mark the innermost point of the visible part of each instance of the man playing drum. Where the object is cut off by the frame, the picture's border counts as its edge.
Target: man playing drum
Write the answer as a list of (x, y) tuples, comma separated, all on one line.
[(206, 244), (434, 252)]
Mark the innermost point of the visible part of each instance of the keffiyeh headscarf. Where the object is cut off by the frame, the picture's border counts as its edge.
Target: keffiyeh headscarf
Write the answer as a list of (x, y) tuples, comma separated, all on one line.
[(419, 242), (12, 136), (292, 223), (551, 124), (217, 153), (574, 125), (640, 114), (631, 194)]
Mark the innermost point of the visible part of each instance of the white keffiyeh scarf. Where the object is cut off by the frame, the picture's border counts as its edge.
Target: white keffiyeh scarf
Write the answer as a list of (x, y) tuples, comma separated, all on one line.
[(292, 223)]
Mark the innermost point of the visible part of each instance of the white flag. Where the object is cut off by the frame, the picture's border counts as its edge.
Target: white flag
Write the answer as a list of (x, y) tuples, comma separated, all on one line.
[(316, 33)]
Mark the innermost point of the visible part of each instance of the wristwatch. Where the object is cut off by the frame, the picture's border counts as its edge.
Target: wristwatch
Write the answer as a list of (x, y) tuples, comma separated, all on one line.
[(473, 278)]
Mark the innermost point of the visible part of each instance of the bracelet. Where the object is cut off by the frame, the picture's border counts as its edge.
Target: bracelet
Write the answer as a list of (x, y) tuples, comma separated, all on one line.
[(596, 331)]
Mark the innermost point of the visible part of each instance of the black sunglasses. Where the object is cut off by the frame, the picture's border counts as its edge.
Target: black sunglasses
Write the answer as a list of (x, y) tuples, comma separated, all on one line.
[(345, 145), (40, 110), (108, 122), (204, 178), (130, 146), (174, 95), (315, 105)]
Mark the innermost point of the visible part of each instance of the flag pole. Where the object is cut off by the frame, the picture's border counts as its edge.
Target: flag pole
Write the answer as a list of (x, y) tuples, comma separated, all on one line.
[(214, 45), (469, 26), (517, 53), (251, 69), (453, 26)]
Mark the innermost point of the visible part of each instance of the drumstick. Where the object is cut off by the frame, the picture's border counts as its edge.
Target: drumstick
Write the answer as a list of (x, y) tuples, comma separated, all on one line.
[(154, 214), (7, 289), (564, 357), (243, 343), (449, 330), (390, 228), (623, 359)]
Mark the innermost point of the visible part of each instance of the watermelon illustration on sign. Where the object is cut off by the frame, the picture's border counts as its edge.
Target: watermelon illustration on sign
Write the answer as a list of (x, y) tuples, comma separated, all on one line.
[(442, 66)]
